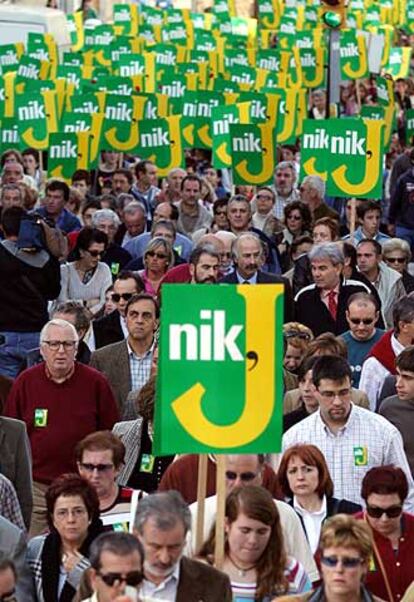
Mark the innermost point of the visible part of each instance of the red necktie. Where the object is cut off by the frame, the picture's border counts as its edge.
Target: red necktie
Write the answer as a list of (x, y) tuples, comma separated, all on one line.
[(332, 304)]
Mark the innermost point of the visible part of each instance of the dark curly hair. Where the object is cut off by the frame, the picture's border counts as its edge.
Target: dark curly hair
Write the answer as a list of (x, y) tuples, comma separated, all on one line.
[(68, 485)]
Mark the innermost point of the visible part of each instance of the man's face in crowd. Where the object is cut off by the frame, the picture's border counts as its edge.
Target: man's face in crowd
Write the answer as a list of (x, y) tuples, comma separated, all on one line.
[(11, 198), (249, 257), (120, 183), (405, 384), (325, 274), (107, 226), (334, 397), (264, 201), (362, 320), (29, 163), (163, 549), (284, 180), (141, 321), (134, 223), (206, 271), (242, 470), (174, 180), (371, 222), (12, 173), (125, 566), (97, 466), (149, 178), (82, 187), (61, 360), (126, 287), (367, 258), (306, 192), (238, 214), (164, 233), (191, 192), (54, 202), (162, 211)]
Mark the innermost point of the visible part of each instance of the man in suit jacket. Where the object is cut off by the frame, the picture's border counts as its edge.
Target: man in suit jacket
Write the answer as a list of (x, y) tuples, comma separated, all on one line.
[(15, 462), (127, 364), (112, 328), (161, 524), (248, 257), (13, 547)]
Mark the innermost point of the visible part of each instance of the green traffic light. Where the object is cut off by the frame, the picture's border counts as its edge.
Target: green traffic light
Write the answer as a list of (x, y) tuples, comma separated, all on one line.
[(332, 20)]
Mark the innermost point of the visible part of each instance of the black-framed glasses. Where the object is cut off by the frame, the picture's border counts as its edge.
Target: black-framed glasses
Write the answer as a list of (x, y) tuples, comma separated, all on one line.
[(157, 255), (243, 476), (391, 511), (95, 253), (365, 321), (296, 333), (348, 562), (99, 467), (125, 296), (297, 218), (55, 345), (133, 578), (396, 259)]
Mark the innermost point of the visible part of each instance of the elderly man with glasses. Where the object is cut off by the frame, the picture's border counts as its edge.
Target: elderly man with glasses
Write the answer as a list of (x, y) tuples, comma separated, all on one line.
[(61, 401)]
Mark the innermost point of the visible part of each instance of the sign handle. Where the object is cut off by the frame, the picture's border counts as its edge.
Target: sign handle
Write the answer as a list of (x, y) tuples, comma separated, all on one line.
[(221, 503), (201, 496), (352, 220)]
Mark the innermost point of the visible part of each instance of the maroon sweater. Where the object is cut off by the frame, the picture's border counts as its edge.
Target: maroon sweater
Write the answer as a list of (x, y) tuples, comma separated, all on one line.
[(79, 406)]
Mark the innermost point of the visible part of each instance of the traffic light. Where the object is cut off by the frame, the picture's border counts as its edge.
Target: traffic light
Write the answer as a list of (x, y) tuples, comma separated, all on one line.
[(334, 13)]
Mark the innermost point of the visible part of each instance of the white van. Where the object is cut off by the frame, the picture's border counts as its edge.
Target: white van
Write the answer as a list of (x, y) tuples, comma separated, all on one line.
[(16, 21)]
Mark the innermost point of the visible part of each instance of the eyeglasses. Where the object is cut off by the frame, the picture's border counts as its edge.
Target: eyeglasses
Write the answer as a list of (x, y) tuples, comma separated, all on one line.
[(64, 513), (391, 511), (366, 321), (95, 253), (295, 333), (157, 255), (99, 467), (396, 259), (55, 345), (243, 476), (125, 296), (133, 578), (220, 212), (348, 562), (297, 218), (264, 197)]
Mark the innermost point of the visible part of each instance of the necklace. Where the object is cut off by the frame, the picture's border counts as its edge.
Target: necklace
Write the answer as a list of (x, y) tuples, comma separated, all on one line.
[(242, 572)]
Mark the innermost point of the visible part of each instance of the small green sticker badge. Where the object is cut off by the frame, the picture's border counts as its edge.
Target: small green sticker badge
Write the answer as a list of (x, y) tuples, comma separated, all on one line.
[(360, 455), (115, 269), (40, 417), (147, 463)]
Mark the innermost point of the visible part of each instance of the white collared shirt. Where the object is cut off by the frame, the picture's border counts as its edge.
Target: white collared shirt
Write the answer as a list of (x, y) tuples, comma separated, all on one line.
[(251, 280), (365, 441), (312, 521), (166, 590)]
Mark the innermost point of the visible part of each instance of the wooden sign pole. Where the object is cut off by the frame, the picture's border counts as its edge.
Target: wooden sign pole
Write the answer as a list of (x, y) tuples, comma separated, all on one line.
[(221, 504), (201, 496), (352, 220)]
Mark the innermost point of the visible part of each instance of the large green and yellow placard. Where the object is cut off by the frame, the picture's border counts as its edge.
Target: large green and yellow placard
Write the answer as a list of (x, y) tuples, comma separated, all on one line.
[(220, 384)]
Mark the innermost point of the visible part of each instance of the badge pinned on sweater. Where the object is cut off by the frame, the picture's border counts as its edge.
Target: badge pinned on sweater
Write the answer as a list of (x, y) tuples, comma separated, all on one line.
[(360, 455), (147, 463), (40, 417)]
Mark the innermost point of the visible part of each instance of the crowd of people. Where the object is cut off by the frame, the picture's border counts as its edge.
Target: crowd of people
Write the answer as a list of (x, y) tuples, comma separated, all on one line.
[(87, 511)]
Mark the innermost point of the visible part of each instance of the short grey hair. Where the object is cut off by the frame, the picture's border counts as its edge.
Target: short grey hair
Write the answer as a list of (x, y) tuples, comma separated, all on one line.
[(123, 199), (133, 207), (327, 250), (396, 244), (165, 508), (8, 187), (245, 236), (316, 183), (286, 165), (61, 324), (105, 214), (118, 543)]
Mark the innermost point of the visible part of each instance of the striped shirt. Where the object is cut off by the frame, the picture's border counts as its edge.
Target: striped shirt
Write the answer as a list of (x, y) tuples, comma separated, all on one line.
[(298, 581), (365, 441)]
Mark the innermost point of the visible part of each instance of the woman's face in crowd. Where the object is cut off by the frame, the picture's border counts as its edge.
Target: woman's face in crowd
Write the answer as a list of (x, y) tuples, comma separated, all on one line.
[(303, 479), (294, 221), (341, 582), (293, 358), (247, 539), (70, 518), (321, 234)]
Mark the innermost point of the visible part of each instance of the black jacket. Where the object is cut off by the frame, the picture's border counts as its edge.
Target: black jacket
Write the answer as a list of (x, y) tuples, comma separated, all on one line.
[(116, 258), (402, 201), (108, 330)]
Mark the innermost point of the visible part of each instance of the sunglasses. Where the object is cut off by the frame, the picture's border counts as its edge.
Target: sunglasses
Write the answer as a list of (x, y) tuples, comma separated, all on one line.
[(99, 467), (395, 259), (95, 253), (157, 255), (297, 218), (391, 511), (348, 562), (125, 296), (366, 321), (295, 333), (243, 476), (133, 578)]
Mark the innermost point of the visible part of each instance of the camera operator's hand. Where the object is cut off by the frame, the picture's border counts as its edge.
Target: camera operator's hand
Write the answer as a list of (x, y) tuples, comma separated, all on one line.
[(56, 242)]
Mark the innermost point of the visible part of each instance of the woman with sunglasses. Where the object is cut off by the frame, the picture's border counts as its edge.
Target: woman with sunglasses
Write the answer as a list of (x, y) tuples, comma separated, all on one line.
[(397, 255), (384, 490), (307, 486), (58, 559), (158, 258), (86, 279), (255, 558), (345, 550)]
